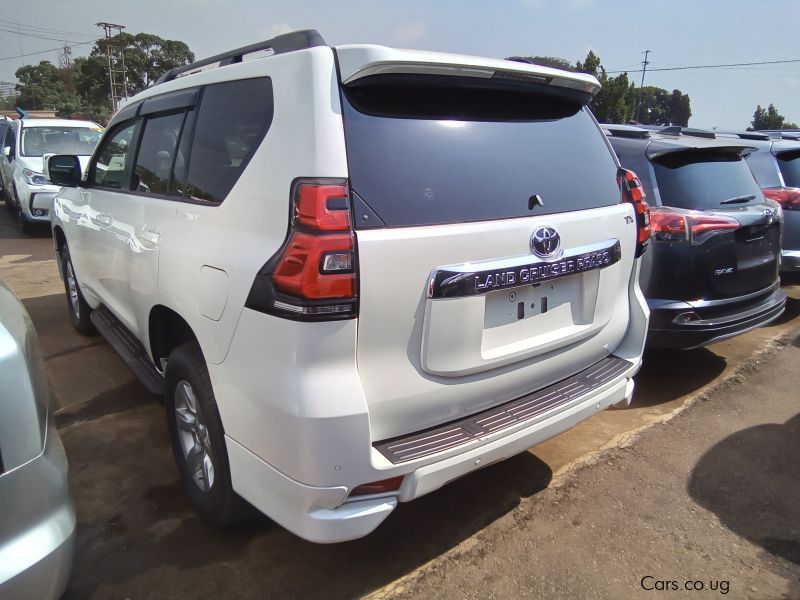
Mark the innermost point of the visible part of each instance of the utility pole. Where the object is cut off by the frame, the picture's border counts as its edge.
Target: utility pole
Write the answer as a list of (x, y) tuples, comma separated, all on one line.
[(117, 75), (645, 62)]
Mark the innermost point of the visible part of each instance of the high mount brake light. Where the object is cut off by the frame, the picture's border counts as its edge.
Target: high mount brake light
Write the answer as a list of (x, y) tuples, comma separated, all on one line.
[(633, 192), (787, 197), (669, 225), (313, 276)]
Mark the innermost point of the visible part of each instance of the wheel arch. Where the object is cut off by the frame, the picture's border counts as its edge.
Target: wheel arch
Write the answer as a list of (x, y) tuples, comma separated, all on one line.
[(167, 330)]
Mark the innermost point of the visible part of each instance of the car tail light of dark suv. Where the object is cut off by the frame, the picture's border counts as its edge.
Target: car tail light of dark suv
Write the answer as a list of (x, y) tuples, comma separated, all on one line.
[(670, 225), (313, 277), (633, 192), (787, 197)]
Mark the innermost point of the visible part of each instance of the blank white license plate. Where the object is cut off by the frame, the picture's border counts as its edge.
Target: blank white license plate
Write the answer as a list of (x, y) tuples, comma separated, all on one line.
[(553, 303)]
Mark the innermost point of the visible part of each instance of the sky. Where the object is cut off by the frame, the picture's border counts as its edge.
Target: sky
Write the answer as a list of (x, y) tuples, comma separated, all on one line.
[(678, 32)]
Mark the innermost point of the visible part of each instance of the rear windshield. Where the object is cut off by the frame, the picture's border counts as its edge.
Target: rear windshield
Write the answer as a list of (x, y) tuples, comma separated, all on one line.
[(432, 150), (701, 181), (789, 164), (37, 141)]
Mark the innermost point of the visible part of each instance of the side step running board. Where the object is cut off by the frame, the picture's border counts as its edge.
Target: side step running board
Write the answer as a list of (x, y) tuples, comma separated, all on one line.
[(129, 349)]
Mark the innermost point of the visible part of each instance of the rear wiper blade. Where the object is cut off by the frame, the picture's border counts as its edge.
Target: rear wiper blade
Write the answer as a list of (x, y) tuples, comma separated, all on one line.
[(739, 199)]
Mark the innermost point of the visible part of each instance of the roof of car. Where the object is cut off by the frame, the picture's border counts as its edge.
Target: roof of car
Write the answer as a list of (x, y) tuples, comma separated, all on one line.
[(675, 139), (56, 123)]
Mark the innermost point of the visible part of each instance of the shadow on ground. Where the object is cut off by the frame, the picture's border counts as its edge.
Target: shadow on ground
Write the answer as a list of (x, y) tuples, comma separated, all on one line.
[(669, 374), (137, 535), (749, 480)]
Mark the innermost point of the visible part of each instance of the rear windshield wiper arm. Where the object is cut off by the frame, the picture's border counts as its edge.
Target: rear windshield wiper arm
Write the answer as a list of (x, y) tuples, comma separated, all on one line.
[(739, 199)]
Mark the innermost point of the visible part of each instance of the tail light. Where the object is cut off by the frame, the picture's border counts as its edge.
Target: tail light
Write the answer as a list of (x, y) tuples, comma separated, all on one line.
[(669, 225), (378, 487), (787, 197), (633, 192), (313, 276)]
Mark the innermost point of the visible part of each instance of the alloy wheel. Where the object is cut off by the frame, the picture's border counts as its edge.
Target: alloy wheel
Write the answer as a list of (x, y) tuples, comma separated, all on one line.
[(193, 436)]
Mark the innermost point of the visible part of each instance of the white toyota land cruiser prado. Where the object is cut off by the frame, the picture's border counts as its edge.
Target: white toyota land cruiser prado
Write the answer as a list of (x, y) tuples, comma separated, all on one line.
[(356, 273)]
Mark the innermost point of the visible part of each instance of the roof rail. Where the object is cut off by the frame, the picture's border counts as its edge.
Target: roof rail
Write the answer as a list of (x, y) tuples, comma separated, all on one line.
[(625, 131), (288, 42), (678, 130)]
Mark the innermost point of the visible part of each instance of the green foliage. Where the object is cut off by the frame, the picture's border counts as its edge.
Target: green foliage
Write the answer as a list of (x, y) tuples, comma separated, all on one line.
[(43, 87), (547, 61), (770, 118), (84, 88), (660, 107), (616, 100)]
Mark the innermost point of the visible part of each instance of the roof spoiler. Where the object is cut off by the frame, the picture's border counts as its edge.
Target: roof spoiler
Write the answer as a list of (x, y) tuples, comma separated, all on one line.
[(733, 148), (678, 130), (281, 44), (625, 131)]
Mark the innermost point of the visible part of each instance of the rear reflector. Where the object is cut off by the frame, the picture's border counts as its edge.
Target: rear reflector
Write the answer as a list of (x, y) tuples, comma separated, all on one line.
[(378, 487)]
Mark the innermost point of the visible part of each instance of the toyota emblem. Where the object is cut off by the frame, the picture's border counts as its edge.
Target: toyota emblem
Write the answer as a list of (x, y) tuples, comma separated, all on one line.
[(545, 242)]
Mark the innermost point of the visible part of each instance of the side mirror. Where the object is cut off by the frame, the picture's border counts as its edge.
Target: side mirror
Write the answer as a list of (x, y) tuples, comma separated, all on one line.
[(63, 169)]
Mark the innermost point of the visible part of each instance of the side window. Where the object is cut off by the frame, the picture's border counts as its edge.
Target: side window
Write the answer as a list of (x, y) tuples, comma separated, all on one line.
[(231, 122), (157, 152), (109, 167), (11, 142)]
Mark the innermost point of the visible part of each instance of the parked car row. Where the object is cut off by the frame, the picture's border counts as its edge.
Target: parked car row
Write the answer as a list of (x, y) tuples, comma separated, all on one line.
[(352, 294), (24, 143)]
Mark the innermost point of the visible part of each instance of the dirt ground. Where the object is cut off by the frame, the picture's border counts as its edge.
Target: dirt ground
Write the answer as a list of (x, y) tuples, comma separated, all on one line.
[(138, 538)]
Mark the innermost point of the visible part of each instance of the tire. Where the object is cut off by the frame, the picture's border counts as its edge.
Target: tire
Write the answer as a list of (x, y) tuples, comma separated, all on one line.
[(7, 201), (25, 226), (198, 439), (79, 311)]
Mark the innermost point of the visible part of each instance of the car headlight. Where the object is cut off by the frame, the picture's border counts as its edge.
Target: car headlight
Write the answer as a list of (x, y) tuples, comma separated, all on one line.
[(34, 178)]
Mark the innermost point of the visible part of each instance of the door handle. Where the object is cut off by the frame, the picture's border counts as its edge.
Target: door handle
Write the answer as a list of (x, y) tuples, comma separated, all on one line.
[(151, 234)]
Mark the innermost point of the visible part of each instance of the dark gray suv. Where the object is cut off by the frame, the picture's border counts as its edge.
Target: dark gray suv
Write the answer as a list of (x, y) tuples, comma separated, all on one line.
[(713, 269), (775, 163)]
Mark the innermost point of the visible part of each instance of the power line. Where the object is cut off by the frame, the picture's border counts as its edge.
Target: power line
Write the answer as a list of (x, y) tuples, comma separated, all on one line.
[(45, 29), (35, 35), (747, 64), (59, 49)]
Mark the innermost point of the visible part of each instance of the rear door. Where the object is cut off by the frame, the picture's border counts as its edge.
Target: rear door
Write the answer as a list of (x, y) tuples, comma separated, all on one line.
[(722, 261), (455, 183)]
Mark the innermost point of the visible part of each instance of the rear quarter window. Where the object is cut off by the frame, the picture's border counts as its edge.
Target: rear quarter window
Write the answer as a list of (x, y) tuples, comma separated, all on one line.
[(789, 164), (433, 150), (232, 120)]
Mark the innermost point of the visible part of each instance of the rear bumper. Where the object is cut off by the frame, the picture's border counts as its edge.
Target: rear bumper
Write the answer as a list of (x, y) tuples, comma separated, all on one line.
[(37, 526), (325, 515), (717, 321)]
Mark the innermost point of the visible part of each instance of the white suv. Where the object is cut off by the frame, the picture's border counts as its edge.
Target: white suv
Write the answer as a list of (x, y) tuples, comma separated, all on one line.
[(357, 273), (24, 145)]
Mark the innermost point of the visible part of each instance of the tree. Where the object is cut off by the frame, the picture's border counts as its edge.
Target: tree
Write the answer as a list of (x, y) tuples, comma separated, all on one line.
[(546, 61), (83, 88), (147, 57), (770, 118), (616, 100), (42, 87)]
